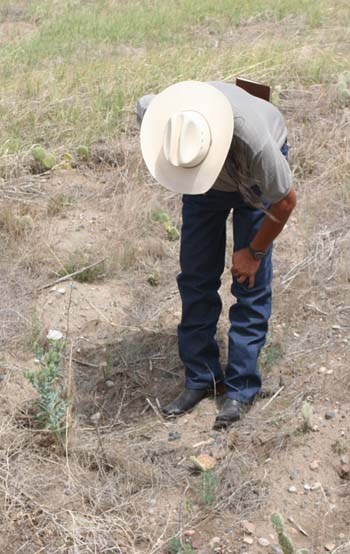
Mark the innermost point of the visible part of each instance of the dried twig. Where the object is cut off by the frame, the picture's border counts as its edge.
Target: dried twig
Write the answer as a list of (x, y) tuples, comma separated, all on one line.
[(70, 275), (273, 397)]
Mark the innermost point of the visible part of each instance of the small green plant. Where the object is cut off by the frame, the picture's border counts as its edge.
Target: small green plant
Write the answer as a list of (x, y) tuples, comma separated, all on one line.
[(43, 161), (83, 153), (271, 355), (343, 89), (276, 95), (14, 224), (33, 333), (51, 406), (340, 446), (77, 262), (306, 413), (153, 279), (283, 539), (172, 232), (206, 491), (176, 546), (57, 203), (159, 216)]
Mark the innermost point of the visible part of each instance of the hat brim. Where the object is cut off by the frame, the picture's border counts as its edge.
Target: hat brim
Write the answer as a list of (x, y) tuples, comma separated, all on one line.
[(214, 106)]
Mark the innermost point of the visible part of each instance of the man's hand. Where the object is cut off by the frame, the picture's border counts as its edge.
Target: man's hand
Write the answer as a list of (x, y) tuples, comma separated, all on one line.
[(244, 267)]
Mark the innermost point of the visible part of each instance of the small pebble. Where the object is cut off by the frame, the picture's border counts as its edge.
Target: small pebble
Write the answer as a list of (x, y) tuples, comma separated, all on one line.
[(322, 369), (53, 334), (276, 549), (345, 460), (248, 540), (174, 436), (316, 486), (330, 414), (189, 532), (292, 489), (61, 291), (344, 471), (314, 465), (263, 542), (329, 547), (96, 417), (109, 384), (248, 527), (307, 487)]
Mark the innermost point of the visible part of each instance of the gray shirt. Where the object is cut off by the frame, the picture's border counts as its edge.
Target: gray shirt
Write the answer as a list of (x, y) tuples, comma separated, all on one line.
[(259, 134)]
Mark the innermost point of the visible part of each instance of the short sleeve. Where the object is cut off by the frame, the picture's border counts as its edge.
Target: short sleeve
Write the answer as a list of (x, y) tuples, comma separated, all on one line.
[(142, 105), (271, 171)]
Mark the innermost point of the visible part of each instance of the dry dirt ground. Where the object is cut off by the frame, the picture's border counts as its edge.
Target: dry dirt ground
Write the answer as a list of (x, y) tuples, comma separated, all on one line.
[(125, 482)]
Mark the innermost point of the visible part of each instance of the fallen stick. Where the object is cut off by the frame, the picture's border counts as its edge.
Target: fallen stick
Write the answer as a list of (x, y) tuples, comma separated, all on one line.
[(273, 397), (297, 526), (156, 411), (70, 275)]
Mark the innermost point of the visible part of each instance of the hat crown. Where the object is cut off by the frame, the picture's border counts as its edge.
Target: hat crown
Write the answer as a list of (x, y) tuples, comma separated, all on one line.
[(187, 139)]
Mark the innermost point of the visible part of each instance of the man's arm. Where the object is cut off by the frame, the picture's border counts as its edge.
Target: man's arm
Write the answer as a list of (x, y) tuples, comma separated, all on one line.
[(244, 266), (271, 228)]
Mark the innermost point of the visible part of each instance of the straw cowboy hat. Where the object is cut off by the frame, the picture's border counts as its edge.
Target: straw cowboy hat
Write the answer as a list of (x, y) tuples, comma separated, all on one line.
[(186, 134)]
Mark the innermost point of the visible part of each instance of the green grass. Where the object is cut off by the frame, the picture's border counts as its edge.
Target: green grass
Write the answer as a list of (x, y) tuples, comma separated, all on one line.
[(75, 78)]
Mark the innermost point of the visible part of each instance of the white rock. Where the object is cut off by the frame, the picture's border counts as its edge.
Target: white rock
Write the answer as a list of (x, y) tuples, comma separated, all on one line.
[(215, 541), (292, 489), (96, 417), (263, 542), (53, 334), (316, 486), (248, 540), (62, 290)]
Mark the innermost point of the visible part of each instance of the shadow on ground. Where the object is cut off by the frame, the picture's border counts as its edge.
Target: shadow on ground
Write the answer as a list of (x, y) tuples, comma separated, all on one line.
[(122, 375)]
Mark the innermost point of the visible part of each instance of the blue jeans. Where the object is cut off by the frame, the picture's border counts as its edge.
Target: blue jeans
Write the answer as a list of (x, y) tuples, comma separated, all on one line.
[(202, 261)]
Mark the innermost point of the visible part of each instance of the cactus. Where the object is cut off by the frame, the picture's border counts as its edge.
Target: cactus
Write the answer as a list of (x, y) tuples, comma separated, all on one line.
[(83, 153), (172, 232), (284, 541), (162, 217), (277, 523), (38, 153), (307, 413), (66, 162), (44, 160)]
